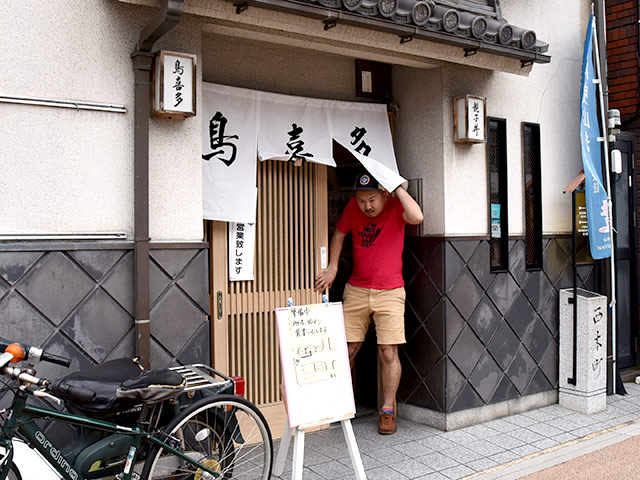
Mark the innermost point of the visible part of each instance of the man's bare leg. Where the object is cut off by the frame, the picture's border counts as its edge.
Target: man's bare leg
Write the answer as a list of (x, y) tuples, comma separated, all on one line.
[(391, 371), (354, 348)]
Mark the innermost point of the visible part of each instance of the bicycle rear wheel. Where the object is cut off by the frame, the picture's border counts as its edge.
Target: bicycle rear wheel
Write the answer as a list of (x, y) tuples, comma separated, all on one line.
[(225, 433)]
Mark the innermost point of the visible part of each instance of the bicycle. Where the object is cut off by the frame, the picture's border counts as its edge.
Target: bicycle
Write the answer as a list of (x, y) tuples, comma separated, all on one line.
[(180, 423)]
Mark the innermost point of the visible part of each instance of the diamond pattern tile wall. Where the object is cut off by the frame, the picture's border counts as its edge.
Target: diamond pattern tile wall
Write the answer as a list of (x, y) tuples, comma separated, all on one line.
[(423, 351), (424, 293), (503, 292), (500, 330), (55, 285), (465, 293), (97, 263), (466, 351), (79, 302), (97, 325), (174, 320), (521, 315), (13, 265), (485, 320), (22, 321), (173, 261), (194, 277), (537, 288), (478, 265), (486, 377), (3, 290), (119, 282), (503, 345), (505, 391), (518, 262), (554, 260), (423, 377), (180, 315), (522, 369)]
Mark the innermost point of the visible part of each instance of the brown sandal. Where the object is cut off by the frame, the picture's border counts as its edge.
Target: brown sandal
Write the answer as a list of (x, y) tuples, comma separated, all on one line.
[(387, 424)]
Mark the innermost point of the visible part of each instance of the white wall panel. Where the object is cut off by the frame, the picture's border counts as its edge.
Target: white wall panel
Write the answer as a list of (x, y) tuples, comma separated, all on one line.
[(71, 171), (548, 96)]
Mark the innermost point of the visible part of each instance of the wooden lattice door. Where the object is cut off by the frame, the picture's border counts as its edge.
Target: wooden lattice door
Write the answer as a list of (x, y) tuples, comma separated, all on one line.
[(291, 229)]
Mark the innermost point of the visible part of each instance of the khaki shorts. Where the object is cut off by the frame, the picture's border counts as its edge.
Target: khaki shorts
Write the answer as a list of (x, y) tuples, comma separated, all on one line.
[(387, 308)]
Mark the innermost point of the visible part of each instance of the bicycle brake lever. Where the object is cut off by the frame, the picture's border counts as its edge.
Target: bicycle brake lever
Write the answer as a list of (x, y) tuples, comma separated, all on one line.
[(42, 393)]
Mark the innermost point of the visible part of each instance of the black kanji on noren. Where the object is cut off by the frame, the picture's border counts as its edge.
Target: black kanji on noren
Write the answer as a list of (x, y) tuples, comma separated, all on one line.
[(357, 134), (217, 140), (295, 146)]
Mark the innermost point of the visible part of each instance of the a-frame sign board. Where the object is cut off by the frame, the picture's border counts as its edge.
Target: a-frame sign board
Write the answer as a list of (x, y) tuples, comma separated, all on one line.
[(317, 379)]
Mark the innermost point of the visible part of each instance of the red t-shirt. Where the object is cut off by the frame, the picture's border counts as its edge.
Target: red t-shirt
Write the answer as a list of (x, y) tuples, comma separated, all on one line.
[(377, 244)]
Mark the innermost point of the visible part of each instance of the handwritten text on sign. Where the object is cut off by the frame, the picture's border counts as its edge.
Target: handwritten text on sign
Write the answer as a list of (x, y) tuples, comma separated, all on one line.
[(314, 351), (315, 364)]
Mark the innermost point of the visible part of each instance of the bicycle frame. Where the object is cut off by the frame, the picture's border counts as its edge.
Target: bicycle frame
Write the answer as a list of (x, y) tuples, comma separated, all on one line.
[(22, 421)]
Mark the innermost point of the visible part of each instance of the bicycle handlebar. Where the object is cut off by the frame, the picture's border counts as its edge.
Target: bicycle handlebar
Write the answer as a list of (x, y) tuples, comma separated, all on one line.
[(51, 358), (36, 354), (5, 358)]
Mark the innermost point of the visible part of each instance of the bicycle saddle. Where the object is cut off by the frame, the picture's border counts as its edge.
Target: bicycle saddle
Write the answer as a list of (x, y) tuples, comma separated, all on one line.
[(117, 385)]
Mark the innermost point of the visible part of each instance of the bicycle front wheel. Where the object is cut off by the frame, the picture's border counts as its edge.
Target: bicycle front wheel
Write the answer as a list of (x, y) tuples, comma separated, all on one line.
[(225, 433), (13, 473)]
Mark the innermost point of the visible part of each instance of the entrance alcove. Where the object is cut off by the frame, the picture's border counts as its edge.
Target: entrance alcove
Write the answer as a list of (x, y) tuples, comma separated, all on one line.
[(417, 129)]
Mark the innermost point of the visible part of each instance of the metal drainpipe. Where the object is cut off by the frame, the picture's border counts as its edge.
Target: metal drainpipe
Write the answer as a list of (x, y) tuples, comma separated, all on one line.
[(142, 59), (601, 22)]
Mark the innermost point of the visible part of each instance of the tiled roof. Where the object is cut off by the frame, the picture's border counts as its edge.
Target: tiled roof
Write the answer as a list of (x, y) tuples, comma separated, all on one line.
[(475, 25)]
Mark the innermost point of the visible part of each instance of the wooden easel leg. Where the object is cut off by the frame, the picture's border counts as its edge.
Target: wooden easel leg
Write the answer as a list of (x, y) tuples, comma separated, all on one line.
[(278, 466), (354, 453), (298, 454)]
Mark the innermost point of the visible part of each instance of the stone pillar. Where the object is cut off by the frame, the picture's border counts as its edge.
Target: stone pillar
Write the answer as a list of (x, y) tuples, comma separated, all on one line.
[(587, 393)]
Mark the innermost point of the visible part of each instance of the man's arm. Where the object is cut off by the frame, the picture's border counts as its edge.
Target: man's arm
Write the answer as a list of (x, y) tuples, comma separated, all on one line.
[(412, 212), (326, 277)]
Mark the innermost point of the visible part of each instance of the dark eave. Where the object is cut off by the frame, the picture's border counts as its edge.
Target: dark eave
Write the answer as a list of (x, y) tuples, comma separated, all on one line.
[(470, 26)]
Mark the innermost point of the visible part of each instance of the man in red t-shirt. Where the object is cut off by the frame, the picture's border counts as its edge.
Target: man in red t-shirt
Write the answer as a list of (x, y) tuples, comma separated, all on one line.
[(376, 222)]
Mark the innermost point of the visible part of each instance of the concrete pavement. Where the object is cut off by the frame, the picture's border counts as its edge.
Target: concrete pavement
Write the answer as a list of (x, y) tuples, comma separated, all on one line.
[(617, 461), (608, 454), (506, 448)]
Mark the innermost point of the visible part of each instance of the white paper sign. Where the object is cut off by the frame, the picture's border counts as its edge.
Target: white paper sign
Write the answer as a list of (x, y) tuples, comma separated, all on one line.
[(178, 83), (475, 116), (242, 245), (315, 364)]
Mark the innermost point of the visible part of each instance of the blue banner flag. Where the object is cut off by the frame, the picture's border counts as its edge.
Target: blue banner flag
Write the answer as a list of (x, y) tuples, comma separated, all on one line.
[(596, 196)]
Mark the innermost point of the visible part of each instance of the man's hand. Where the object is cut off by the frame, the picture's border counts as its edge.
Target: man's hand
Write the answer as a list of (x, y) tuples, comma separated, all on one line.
[(412, 212), (325, 279)]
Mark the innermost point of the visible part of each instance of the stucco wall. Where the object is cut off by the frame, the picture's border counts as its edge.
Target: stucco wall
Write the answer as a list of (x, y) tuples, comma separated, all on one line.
[(454, 176), (548, 96), (277, 68), (70, 171), (59, 161), (419, 137)]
